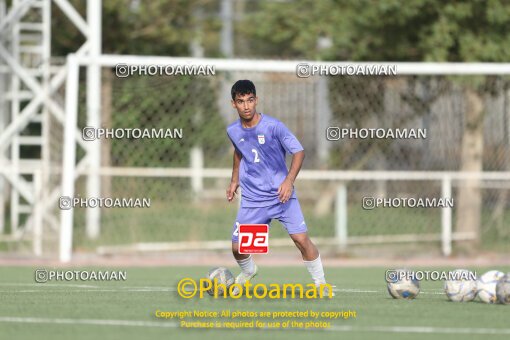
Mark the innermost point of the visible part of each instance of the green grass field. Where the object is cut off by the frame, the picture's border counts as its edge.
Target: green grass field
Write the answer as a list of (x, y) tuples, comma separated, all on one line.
[(164, 223), (125, 309)]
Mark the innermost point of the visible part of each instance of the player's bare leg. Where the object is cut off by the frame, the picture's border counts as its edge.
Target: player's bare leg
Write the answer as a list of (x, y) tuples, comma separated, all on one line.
[(248, 267), (308, 250), (235, 252), (311, 258)]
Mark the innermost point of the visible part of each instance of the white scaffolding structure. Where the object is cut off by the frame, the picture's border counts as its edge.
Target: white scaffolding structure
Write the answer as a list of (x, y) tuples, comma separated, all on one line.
[(28, 84)]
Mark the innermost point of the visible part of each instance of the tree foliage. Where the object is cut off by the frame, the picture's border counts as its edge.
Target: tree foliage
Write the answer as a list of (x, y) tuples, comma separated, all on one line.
[(359, 30), (140, 27), (389, 30)]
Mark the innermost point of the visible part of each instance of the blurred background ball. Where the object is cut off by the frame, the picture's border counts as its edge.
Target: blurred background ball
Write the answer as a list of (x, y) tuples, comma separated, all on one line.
[(486, 286), (402, 284), (503, 289), (462, 289)]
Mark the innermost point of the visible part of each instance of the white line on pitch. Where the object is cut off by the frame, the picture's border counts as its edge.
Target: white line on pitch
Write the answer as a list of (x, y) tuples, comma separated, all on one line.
[(91, 288), (47, 285), (140, 288), (347, 290), (134, 323), (410, 329), (334, 328)]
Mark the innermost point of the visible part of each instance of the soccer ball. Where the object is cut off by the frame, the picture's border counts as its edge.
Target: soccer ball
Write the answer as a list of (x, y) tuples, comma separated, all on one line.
[(503, 289), (462, 289), (223, 276), (402, 284), (486, 286)]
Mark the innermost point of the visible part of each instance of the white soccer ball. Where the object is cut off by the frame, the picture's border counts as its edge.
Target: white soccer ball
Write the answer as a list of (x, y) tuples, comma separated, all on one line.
[(402, 284), (222, 276), (486, 286), (459, 287), (503, 289)]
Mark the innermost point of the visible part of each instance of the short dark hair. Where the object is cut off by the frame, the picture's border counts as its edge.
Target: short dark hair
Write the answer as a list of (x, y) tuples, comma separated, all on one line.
[(242, 87)]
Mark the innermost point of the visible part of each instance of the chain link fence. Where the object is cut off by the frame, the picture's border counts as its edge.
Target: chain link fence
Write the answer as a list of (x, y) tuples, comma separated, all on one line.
[(200, 106)]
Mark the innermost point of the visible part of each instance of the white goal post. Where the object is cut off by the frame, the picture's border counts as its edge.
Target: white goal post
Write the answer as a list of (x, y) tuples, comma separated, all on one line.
[(71, 170)]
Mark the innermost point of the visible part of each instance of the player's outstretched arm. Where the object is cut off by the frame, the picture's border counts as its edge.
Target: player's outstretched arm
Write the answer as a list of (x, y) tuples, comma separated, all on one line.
[(285, 189), (234, 181)]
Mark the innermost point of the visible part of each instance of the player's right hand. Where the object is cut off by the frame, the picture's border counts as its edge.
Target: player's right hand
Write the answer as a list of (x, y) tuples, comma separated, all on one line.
[(232, 190)]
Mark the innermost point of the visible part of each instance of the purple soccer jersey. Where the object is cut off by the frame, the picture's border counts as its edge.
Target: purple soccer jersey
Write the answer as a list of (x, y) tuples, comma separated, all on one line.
[(263, 168)]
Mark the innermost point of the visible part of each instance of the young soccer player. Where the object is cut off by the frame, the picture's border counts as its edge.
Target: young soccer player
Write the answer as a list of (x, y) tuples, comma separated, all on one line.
[(261, 143)]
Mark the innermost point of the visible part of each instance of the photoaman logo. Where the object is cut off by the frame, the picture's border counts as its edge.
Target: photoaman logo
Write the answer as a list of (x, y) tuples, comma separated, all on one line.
[(253, 239), (188, 288)]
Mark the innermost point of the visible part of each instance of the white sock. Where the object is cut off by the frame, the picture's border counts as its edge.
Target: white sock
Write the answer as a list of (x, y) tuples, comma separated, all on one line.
[(315, 269), (247, 265)]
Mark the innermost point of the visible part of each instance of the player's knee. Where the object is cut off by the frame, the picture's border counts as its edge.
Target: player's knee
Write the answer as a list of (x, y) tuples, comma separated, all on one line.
[(299, 242), (303, 242), (235, 249), (300, 239)]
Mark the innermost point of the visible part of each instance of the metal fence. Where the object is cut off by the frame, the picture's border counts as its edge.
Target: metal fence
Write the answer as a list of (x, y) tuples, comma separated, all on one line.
[(186, 177)]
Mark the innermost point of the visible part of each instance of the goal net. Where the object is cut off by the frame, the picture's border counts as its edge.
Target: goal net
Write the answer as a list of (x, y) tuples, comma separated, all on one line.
[(461, 122)]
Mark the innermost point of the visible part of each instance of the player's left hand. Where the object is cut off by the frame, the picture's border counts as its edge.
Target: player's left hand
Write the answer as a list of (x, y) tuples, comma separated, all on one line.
[(285, 190)]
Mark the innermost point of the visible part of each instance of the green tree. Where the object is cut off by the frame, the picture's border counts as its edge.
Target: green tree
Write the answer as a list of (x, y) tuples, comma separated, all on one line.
[(141, 28), (393, 30), (389, 30), (292, 29)]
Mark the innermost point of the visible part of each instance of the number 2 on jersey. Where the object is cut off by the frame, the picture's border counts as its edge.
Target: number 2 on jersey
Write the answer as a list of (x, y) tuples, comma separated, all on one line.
[(257, 159)]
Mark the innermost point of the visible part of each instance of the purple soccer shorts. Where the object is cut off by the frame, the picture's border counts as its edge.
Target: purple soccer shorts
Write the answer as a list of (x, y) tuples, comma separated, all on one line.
[(288, 213)]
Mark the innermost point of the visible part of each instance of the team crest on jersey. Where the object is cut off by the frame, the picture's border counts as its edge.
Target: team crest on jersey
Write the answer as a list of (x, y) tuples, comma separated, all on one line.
[(262, 139)]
